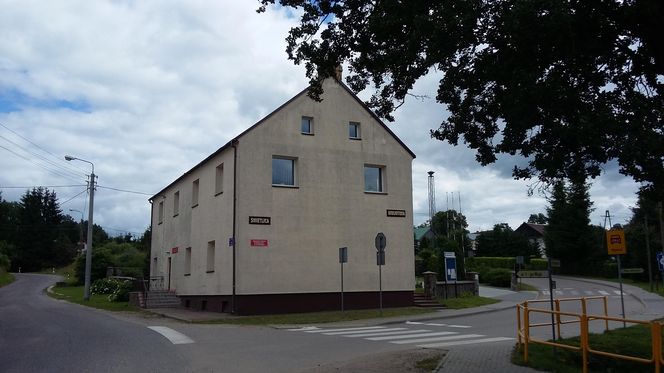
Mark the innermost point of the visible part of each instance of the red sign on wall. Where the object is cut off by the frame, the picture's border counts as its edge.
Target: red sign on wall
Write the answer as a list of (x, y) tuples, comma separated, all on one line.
[(174, 250), (259, 243)]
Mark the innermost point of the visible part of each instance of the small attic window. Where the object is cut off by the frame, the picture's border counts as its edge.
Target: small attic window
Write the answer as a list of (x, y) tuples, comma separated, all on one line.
[(307, 126)]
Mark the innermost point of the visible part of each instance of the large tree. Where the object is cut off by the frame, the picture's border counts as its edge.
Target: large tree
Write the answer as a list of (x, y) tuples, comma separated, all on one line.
[(569, 85), (43, 234), (569, 235), (503, 241)]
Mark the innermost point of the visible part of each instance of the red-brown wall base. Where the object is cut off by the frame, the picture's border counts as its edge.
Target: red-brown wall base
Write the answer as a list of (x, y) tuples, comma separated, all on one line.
[(262, 304)]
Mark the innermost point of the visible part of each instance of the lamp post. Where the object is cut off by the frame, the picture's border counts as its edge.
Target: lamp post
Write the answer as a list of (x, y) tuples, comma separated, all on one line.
[(80, 228), (88, 251)]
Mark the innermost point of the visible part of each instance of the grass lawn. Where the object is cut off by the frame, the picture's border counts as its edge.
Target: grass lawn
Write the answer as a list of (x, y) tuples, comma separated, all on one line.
[(5, 278), (466, 301), (68, 272), (74, 294), (318, 317), (632, 341)]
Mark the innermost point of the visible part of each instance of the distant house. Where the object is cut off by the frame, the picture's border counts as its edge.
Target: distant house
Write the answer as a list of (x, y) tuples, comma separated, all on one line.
[(423, 232), (534, 233)]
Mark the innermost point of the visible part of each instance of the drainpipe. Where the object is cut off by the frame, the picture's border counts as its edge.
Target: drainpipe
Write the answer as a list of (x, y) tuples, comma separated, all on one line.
[(145, 288), (234, 144)]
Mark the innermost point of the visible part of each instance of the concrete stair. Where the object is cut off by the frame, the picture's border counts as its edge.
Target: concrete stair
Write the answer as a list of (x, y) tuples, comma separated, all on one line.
[(161, 299), (419, 300)]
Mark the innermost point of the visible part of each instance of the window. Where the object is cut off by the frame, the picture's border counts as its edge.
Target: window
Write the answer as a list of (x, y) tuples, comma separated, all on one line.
[(194, 193), (176, 203), (161, 212), (219, 180), (353, 130), (283, 171), (187, 261), (210, 257), (307, 126), (373, 179)]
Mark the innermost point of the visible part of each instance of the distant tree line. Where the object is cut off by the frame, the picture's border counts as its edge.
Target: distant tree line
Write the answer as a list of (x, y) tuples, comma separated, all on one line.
[(35, 234)]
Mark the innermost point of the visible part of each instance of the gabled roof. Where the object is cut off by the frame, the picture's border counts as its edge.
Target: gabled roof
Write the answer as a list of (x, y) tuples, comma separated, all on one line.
[(420, 232), (304, 91), (533, 229)]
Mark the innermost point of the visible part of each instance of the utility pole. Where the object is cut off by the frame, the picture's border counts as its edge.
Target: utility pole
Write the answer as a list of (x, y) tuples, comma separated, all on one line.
[(661, 224), (645, 217), (88, 251)]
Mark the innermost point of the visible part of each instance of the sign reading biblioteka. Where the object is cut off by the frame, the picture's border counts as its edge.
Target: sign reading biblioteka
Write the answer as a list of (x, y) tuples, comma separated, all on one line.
[(615, 242)]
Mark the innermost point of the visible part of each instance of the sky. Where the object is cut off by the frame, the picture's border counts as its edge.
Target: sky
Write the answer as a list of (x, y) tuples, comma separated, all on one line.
[(145, 90)]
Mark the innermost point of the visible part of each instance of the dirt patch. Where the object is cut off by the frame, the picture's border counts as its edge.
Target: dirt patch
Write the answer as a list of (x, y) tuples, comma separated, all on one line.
[(386, 362)]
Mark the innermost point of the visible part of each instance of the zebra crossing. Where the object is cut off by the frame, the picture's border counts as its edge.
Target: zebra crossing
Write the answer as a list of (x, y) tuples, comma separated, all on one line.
[(401, 335), (584, 293)]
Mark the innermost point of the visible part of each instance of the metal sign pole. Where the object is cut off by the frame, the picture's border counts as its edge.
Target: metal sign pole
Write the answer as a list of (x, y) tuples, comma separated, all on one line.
[(380, 287), (342, 287), (622, 299), (553, 326)]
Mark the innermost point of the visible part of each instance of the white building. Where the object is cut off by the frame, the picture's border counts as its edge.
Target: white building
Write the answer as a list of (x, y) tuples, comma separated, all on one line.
[(256, 227)]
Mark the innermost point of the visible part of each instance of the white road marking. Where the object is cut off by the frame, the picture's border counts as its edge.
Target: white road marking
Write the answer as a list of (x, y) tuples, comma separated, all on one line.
[(467, 342), (425, 340), (545, 292), (434, 324), (175, 337), (574, 292), (617, 292), (382, 333), (362, 331), (303, 329), (588, 292), (344, 329), (603, 292), (410, 336)]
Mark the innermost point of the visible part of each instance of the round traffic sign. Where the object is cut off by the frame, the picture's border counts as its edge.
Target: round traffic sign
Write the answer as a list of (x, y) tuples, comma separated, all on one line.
[(381, 241)]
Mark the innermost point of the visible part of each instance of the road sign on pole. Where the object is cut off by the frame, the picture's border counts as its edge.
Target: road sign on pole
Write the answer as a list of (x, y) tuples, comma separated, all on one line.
[(381, 241), (343, 258), (660, 261), (615, 241)]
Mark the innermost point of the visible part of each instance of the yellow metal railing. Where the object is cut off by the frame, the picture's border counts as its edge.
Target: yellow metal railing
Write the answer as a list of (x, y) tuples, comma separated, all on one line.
[(524, 311)]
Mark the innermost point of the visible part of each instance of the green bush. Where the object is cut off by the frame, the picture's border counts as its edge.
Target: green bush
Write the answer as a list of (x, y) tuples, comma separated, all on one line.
[(538, 264), (499, 277), (117, 289), (475, 263)]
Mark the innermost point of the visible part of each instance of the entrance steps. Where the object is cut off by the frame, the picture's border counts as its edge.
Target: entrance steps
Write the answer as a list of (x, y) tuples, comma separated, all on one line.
[(419, 300), (161, 299)]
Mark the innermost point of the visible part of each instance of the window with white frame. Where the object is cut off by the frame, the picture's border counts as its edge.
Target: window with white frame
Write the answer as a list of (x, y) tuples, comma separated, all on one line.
[(194, 193), (219, 180), (176, 203), (283, 171), (374, 179), (187, 261), (307, 126), (354, 130), (210, 257)]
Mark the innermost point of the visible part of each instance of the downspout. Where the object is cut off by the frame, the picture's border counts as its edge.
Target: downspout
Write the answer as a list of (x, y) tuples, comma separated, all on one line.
[(146, 284), (234, 144)]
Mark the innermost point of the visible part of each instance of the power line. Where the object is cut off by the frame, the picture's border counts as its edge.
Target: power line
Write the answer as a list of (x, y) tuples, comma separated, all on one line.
[(74, 197), (37, 164), (126, 191), (42, 186), (69, 166), (44, 159)]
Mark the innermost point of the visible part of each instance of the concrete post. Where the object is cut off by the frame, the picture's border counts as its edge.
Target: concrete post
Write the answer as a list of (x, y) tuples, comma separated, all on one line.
[(430, 284)]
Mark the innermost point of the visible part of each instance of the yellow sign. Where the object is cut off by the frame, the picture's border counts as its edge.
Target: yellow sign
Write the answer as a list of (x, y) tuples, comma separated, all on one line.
[(615, 242)]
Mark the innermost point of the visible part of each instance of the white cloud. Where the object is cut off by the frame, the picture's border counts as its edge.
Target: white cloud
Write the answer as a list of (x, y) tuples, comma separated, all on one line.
[(140, 75)]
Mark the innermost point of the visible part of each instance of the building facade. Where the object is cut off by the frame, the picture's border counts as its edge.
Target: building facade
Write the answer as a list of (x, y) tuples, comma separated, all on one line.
[(256, 227)]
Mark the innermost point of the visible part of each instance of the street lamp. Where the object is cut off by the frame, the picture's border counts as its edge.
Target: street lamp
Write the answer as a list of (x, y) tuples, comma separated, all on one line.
[(88, 251)]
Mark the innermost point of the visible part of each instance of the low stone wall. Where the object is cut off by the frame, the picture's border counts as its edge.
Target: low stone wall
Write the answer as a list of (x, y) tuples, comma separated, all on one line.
[(451, 289), (455, 289)]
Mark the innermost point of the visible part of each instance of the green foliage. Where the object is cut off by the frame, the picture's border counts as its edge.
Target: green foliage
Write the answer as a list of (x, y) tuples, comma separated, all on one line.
[(636, 234), (466, 300), (475, 263), (569, 235), (5, 250), (117, 290), (503, 241), (537, 218), (569, 86), (101, 260), (499, 277)]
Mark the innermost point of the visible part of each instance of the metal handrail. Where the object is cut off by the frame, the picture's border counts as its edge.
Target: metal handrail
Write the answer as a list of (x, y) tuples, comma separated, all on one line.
[(523, 331)]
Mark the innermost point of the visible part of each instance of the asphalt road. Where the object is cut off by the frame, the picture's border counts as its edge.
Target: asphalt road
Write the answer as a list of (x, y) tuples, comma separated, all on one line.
[(40, 334)]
